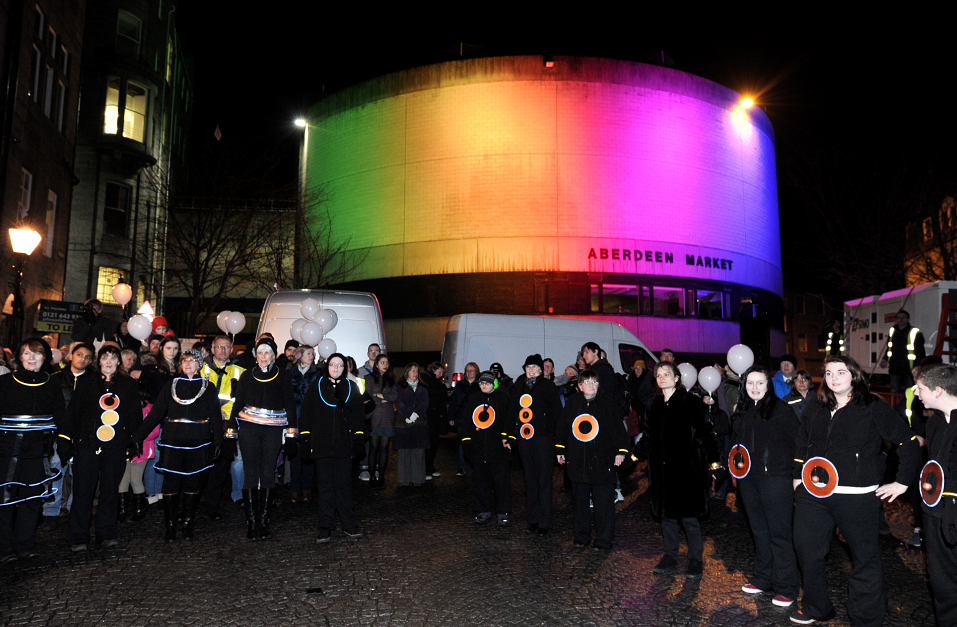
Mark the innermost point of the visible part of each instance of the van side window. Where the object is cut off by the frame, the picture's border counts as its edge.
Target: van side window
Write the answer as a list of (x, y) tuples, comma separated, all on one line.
[(629, 354)]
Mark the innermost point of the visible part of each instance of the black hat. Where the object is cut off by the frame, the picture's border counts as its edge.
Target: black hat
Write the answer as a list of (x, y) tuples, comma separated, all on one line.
[(534, 360), (487, 377), (109, 348), (268, 342), (154, 336), (791, 358), (291, 344)]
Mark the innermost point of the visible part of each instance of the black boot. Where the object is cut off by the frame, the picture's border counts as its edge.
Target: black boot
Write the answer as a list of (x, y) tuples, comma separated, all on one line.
[(250, 504), (190, 505), (171, 512), (266, 496), (123, 506), (139, 507)]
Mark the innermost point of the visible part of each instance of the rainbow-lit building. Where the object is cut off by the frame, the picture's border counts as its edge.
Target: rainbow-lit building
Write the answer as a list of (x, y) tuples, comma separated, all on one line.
[(588, 188)]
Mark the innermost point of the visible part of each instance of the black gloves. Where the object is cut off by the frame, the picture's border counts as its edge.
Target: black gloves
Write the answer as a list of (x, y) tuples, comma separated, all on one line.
[(134, 449), (290, 448), (305, 447), (64, 450), (229, 449), (217, 452)]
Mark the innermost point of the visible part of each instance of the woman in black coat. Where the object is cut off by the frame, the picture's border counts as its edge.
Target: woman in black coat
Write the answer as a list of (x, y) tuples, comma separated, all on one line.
[(683, 452), (332, 432), (765, 427), (104, 413), (302, 374), (411, 427), (438, 415)]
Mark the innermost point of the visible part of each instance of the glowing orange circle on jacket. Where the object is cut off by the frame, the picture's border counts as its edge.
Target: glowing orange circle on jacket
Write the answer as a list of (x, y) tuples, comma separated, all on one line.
[(739, 461), (527, 431), (583, 436), (489, 416), (931, 483), (110, 417), (812, 473), (105, 433), (525, 400), (525, 415), (109, 401)]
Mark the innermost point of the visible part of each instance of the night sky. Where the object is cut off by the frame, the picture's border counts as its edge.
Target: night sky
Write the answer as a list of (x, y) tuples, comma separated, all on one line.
[(874, 94)]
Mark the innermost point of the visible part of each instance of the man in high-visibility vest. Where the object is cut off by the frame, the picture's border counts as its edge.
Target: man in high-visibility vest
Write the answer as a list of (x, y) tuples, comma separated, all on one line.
[(224, 374), (905, 349), (835, 339)]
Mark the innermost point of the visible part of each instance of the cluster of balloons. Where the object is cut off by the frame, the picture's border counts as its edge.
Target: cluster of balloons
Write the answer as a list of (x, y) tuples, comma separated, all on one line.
[(740, 358), (231, 322), (314, 324)]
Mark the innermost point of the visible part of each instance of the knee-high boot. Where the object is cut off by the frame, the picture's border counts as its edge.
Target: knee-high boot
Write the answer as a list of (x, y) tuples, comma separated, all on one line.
[(190, 504), (250, 504), (123, 506), (266, 497), (139, 507), (171, 512)]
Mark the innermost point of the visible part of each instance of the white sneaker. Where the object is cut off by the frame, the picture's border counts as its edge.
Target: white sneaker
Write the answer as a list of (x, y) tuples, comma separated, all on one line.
[(428, 477), (156, 498), (436, 474), (364, 475), (619, 497)]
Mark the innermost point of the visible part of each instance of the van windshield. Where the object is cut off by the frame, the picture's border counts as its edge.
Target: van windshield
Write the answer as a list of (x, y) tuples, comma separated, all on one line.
[(629, 354)]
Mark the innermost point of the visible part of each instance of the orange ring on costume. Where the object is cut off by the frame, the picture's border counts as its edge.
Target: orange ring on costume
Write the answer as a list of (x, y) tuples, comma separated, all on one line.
[(110, 417), (477, 417), (105, 433), (527, 431), (932, 474), (525, 415), (739, 461), (580, 435), (109, 401), (821, 490), (525, 400)]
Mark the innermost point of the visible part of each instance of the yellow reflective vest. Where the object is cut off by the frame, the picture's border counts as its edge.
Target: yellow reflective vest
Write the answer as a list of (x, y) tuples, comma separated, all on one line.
[(911, 351), (224, 387)]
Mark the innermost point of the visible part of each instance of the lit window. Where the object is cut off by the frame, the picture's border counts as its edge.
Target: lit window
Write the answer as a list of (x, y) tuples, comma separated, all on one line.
[(51, 223), (134, 118), (619, 299), (116, 209), (128, 31), (26, 192), (106, 279), (802, 343), (169, 59), (668, 301), (595, 298), (111, 115)]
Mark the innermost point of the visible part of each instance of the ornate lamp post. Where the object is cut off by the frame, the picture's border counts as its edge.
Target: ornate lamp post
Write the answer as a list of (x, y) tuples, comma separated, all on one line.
[(23, 242)]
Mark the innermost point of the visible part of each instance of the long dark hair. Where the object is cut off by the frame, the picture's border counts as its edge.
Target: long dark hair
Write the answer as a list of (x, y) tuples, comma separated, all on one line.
[(385, 379), (674, 370), (860, 393), (766, 404), (161, 364)]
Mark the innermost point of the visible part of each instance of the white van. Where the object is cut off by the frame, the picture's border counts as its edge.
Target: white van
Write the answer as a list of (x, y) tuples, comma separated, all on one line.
[(360, 319), (508, 340)]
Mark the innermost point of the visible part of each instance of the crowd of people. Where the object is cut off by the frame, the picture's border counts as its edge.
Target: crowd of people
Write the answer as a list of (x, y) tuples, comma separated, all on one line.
[(210, 421)]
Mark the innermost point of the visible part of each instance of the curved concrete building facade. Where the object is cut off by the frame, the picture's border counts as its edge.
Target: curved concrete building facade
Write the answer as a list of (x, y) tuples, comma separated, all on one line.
[(592, 188)]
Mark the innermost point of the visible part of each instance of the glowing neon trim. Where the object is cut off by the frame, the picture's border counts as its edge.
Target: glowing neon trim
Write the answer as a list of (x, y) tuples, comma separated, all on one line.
[(176, 472), (183, 448), (33, 485), (30, 498), (319, 387)]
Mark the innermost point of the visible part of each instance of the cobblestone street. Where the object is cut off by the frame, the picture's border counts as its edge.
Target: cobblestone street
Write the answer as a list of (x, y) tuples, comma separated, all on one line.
[(422, 561)]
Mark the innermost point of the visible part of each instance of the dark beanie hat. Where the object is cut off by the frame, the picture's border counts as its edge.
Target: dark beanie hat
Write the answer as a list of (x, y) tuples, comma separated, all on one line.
[(534, 360), (487, 377), (791, 358), (291, 344), (267, 341)]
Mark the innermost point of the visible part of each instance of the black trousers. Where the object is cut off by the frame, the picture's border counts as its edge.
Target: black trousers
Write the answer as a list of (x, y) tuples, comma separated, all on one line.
[(672, 539), (216, 481), (18, 521), (183, 469), (334, 493), (769, 504), (492, 478), (260, 446), (603, 497), (107, 469), (538, 458), (814, 522), (942, 568)]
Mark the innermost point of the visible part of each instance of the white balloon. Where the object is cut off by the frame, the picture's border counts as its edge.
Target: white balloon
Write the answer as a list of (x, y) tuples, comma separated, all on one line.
[(139, 327), (335, 320), (326, 348), (221, 320), (311, 333), (308, 308), (689, 375), (323, 318), (740, 358), (710, 379), (295, 328), (122, 293), (235, 322)]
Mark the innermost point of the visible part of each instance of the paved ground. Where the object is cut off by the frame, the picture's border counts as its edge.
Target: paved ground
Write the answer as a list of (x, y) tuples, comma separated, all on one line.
[(421, 562)]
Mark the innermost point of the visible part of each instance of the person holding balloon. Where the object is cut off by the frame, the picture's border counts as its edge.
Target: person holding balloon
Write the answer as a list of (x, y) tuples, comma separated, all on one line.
[(837, 469), (264, 408), (762, 449)]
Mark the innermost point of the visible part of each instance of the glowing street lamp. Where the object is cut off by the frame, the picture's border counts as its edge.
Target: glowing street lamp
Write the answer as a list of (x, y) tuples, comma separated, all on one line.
[(23, 242), (300, 123), (747, 102)]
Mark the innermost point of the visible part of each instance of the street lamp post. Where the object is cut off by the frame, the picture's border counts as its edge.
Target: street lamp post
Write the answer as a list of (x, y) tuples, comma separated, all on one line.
[(23, 242), (297, 259)]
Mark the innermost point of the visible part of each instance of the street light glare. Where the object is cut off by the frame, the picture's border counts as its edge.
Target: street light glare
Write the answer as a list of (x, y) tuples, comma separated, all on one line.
[(747, 102), (300, 123), (24, 240)]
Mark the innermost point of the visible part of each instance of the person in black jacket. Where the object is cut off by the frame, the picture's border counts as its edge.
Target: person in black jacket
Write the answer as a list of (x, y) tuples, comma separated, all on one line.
[(437, 414), (192, 439), (32, 409), (801, 386), (332, 432), (488, 436), (846, 425), (104, 413), (591, 440), (264, 408), (302, 374), (460, 392), (765, 426), (535, 409), (683, 453), (607, 379)]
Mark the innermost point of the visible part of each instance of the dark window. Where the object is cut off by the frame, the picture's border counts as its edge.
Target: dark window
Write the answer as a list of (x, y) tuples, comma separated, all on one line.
[(619, 299), (128, 31), (629, 354), (709, 304), (116, 209)]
